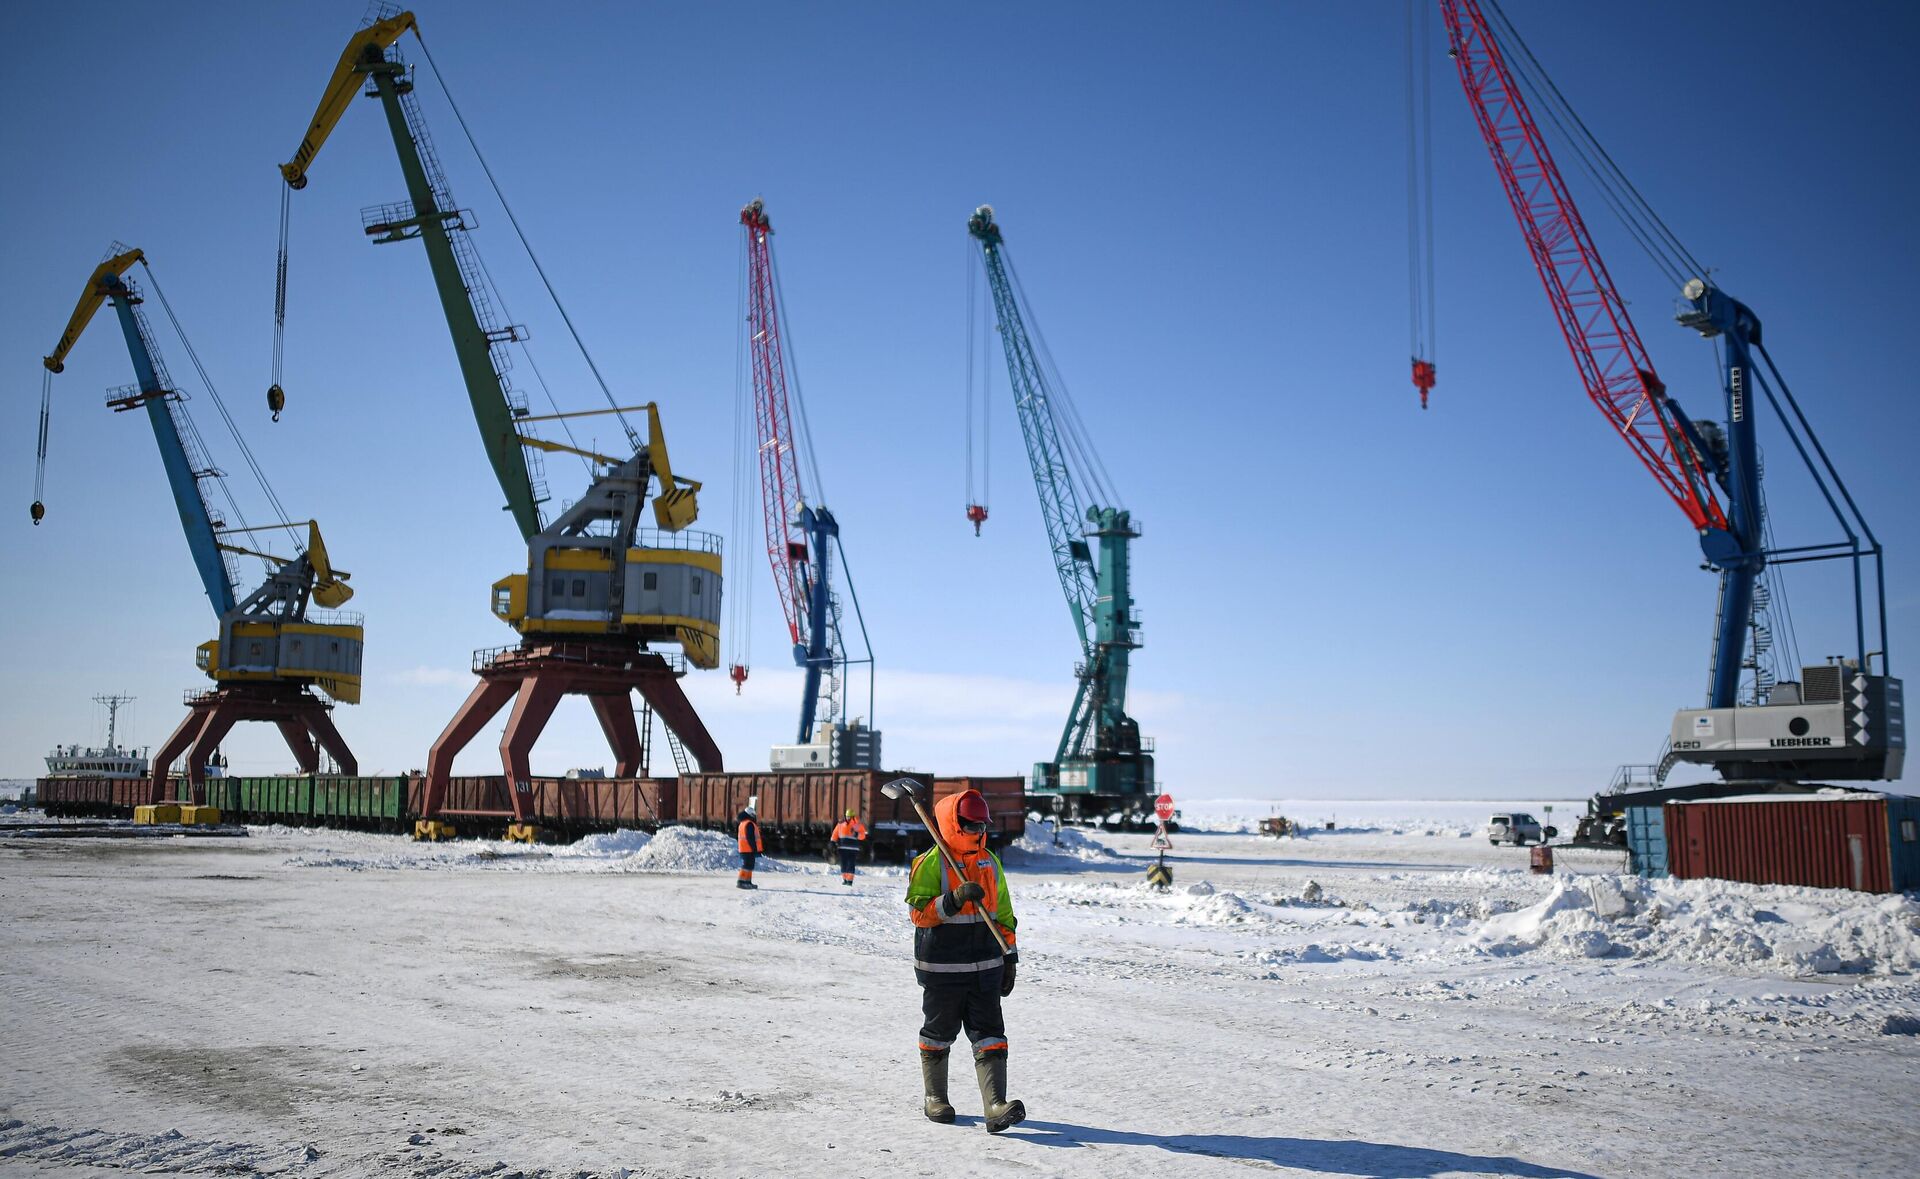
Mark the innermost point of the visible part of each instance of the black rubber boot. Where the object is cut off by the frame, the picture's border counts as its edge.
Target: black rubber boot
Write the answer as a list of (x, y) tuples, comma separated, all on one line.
[(933, 1074), (991, 1069)]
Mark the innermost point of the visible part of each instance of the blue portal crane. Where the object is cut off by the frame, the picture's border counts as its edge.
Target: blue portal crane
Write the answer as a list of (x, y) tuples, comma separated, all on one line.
[(271, 649), (1102, 767)]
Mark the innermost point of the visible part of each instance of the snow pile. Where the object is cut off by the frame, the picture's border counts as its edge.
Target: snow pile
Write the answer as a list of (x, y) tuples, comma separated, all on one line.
[(1316, 953), (1038, 843), (687, 849), (1223, 908), (607, 845), (1771, 928)]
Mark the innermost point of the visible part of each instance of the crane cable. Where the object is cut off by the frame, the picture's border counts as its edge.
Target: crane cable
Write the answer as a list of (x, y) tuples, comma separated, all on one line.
[(746, 477), (240, 442), (980, 313), (40, 462), (1079, 440), (276, 395), (1636, 214), (633, 438), (1420, 286)]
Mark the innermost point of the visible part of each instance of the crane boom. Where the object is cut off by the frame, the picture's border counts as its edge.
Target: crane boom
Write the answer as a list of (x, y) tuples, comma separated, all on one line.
[(107, 283), (1614, 367), (432, 217), (1060, 503), (373, 40), (799, 535)]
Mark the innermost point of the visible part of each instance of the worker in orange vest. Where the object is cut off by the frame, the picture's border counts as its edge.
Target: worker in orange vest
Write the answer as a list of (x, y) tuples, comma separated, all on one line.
[(750, 845), (962, 973), (847, 838)]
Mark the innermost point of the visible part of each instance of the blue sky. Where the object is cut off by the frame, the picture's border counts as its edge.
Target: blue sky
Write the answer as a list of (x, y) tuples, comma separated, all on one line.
[(1342, 596)]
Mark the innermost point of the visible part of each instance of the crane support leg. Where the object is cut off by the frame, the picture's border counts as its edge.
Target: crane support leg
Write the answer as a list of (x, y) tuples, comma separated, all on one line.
[(176, 744), (320, 724), (615, 714), (212, 715), (533, 705), (535, 677), (301, 744), (671, 705), (486, 699)]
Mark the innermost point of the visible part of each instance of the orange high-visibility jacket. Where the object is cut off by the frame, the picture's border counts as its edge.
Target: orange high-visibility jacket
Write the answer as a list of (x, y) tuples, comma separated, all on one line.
[(848, 834), (750, 836)]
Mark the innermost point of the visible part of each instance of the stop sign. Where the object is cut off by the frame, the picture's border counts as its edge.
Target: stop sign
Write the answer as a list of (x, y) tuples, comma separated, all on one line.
[(1163, 807)]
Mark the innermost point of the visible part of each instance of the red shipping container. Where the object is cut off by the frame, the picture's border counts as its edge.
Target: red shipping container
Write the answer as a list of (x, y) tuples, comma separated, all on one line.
[(1817, 840)]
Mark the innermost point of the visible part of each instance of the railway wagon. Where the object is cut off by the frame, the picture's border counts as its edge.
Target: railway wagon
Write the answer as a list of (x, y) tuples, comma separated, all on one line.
[(797, 809), (1006, 802), (569, 806), (79, 798)]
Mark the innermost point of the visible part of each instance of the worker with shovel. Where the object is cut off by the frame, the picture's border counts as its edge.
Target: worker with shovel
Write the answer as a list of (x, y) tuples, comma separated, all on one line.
[(963, 952)]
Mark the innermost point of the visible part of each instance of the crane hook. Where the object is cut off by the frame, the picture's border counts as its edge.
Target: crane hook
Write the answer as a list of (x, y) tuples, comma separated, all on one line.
[(39, 512), (276, 400)]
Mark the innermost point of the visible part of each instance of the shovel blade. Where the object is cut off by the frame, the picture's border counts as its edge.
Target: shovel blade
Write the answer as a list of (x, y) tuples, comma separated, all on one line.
[(901, 788)]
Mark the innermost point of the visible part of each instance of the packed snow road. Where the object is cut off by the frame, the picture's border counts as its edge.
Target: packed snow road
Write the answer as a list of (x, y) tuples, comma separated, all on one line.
[(1388, 1000)]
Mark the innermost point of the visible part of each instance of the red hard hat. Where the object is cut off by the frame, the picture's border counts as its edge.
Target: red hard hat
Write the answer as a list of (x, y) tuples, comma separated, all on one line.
[(971, 808)]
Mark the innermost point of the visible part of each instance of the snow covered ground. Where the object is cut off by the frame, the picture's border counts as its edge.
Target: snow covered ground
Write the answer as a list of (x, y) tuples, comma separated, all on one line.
[(1394, 998)]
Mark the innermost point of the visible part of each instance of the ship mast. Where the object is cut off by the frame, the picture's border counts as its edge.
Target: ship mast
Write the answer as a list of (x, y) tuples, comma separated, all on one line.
[(113, 704)]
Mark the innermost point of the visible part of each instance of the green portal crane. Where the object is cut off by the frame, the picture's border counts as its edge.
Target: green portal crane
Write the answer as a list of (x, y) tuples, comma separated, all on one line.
[(1102, 765), (430, 216)]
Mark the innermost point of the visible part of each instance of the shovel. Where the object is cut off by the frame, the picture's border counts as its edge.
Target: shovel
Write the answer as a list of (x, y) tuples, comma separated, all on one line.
[(910, 790)]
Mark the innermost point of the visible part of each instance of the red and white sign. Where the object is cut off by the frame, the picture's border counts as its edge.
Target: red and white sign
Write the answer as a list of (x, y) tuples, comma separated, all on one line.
[(1163, 807)]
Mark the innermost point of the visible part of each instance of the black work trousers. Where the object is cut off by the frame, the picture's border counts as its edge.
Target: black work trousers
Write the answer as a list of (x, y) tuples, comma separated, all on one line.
[(971, 1001)]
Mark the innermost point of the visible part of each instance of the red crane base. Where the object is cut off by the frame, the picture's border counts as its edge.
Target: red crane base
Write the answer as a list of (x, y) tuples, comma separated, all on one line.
[(535, 677), (303, 718)]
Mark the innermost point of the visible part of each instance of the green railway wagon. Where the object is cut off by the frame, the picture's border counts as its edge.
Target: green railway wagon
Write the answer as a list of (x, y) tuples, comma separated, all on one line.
[(377, 803), (277, 800), (225, 794)]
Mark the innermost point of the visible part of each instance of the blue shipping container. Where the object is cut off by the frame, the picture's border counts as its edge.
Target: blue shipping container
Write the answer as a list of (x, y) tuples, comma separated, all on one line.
[(1903, 841), (1647, 840)]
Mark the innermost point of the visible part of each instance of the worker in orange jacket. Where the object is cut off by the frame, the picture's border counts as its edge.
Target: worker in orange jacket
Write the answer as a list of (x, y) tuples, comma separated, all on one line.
[(962, 973), (847, 838), (750, 845)]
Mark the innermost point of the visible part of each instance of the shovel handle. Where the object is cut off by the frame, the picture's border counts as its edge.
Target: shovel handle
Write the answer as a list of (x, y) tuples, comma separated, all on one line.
[(946, 854)]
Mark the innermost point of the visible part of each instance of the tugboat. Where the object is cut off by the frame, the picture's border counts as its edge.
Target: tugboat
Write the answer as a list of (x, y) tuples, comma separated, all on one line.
[(109, 761)]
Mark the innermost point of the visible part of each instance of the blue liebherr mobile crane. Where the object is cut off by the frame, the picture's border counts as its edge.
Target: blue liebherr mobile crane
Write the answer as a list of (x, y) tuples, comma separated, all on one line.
[(1842, 720), (271, 647), (1102, 769)]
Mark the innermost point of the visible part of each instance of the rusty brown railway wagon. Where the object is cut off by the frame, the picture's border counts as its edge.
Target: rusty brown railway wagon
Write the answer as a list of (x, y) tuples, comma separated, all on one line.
[(112, 798), (1006, 802), (484, 805), (798, 809)]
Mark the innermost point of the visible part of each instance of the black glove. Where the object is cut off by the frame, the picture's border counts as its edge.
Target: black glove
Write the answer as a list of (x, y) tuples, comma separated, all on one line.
[(952, 902), (1006, 977)]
